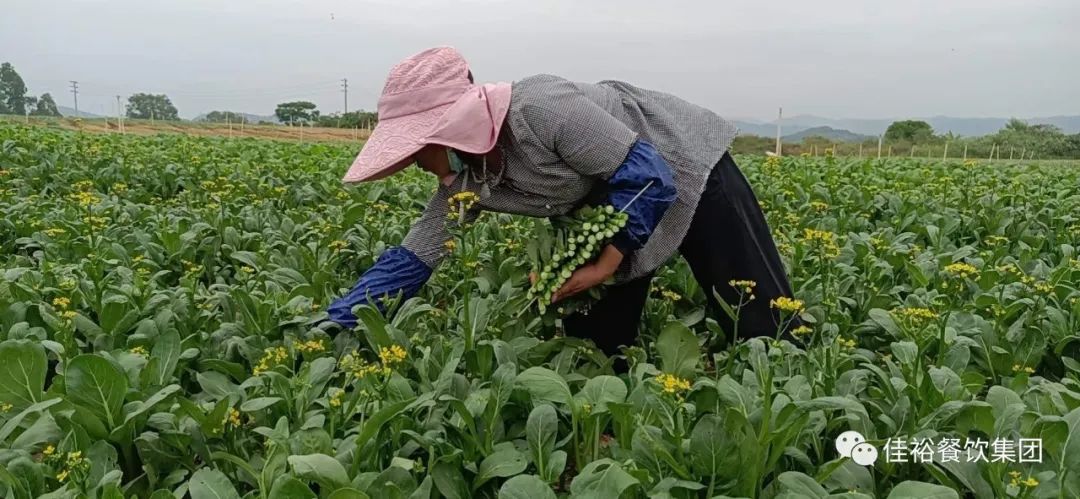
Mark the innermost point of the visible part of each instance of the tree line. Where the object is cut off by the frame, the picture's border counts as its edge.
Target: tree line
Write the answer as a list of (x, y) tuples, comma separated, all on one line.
[(902, 137), (918, 138), (15, 99)]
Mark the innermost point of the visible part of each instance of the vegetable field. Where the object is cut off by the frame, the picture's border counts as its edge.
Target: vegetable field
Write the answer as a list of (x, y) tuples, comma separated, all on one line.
[(157, 291)]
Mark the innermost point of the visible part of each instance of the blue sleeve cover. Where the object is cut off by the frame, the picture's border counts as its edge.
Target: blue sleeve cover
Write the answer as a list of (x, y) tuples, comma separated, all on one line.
[(643, 164), (396, 270)]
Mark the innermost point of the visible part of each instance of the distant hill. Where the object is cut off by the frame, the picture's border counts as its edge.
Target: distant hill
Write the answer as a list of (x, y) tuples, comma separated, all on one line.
[(67, 111), (968, 127), (828, 133), (251, 118)]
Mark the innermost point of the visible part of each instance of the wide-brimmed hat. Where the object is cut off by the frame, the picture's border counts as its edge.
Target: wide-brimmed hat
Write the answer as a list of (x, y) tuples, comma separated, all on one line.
[(428, 99)]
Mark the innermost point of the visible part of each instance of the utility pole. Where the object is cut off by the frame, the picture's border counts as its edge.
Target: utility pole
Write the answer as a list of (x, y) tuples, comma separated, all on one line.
[(879, 139), (119, 115), (945, 155), (779, 117), (345, 90), (75, 93)]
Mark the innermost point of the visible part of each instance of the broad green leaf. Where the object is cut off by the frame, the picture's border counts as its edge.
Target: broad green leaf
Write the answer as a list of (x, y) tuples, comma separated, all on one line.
[(288, 487), (349, 493), (905, 352), (258, 404), (165, 354), (449, 480), (525, 487), (22, 373), (921, 490), (142, 407), (211, 484), (217, 385), (678, 349), (98, 385), (540, 431), (801, 485), (43, 430), (375, 424), (325, 470), (602, 390), (501, 464), (709, 445), (602, 479), (545, 385), (12, 423)]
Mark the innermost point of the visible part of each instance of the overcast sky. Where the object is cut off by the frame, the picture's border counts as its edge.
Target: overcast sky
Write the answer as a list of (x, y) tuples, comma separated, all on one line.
[(843, 59)]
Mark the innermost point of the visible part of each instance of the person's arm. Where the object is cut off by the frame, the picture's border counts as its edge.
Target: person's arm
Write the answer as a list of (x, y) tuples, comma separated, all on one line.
[(401, 269), (397, 270), (596, 144)]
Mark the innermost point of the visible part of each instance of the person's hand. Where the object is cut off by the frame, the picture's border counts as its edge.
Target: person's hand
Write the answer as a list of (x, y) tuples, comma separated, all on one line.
[(583, 278)]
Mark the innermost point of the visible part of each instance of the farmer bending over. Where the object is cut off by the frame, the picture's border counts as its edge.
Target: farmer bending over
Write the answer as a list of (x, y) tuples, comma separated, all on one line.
[(542, 147)]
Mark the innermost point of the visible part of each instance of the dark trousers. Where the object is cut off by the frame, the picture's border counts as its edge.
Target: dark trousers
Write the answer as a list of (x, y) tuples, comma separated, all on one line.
[(728, 240)]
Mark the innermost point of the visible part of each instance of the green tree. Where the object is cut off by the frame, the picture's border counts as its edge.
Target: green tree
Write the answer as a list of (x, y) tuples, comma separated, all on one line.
[(151, 106), (296, 112), (45, 106), (913, 131), (224, 117), (355, 119), (12, 91)]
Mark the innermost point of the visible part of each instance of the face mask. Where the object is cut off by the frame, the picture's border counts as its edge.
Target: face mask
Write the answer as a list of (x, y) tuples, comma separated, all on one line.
[(456, 165)]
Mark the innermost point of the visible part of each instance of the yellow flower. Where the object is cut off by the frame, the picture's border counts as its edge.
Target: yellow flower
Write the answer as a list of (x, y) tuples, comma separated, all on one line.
[(746, 285), (62, 475), (802, 330), (138, 350), (670, 295), (962, 270), (819, 206), (61, 302), (119, 188), (338, 245), (915, 315), (824, 240), (336, 397), (1030, 482), (1014, 474), (1044, 288), (247, 270), (1025, 369), (450, 245), (49, 450), (233, 417), (83, 198), (391, 355), (5, 407), (846, 344), (672, 384), (75, 457), (55, 231), (271, 357), (786, 304), (359, 368), (311, 346)]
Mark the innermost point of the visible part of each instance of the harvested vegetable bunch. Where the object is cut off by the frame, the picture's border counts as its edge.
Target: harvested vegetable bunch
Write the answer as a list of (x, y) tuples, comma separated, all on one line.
[(571, 241)]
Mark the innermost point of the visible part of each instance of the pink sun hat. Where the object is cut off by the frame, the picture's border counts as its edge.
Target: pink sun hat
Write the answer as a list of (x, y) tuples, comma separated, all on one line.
[(428, 99)]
